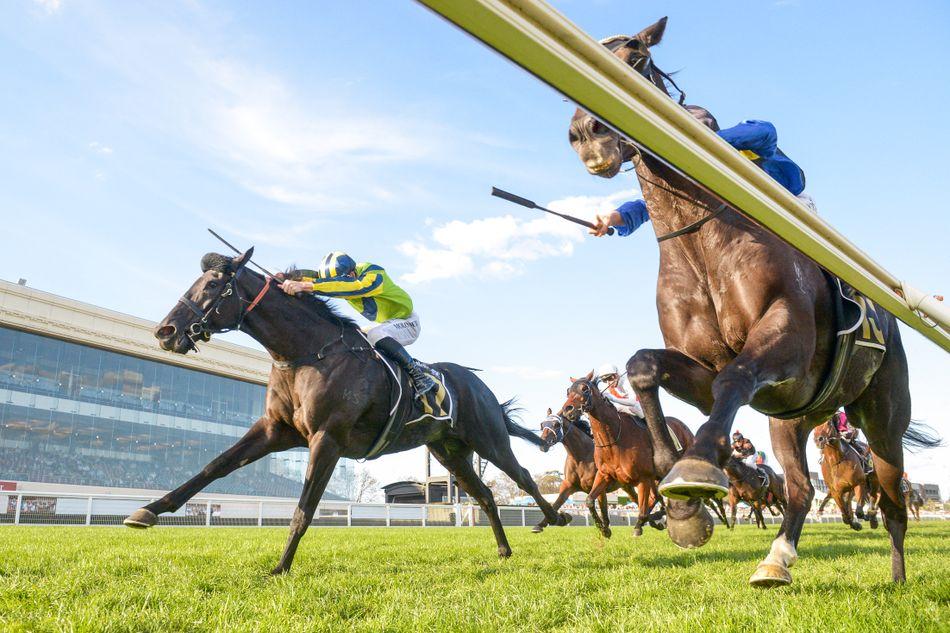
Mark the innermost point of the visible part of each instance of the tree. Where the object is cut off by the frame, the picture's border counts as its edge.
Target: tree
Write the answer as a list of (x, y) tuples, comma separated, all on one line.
[(365, 487), (549, 482), (503, 489)]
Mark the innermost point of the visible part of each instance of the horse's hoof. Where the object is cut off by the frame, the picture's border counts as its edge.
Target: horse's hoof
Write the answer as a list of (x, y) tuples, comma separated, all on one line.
[(141, 519), (859, 515), (278, 571), (637, 531), (607, 532), (873, 522), (768, 575), (856, 526), (689, 524), (504, 552), (658, 524), (537, 529), (693, 478), (563, 519)]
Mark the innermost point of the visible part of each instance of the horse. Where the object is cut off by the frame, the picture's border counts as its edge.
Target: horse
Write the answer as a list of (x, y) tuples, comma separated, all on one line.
[(914, 502), (745, 484), (329, 393), (843, 471), (622, 448), (746, 319), (579, 468)]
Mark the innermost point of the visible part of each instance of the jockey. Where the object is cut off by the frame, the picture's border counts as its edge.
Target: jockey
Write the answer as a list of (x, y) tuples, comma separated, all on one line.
[(743, 449), (617, 392), (376, 296), (850, 435), (754, 139)]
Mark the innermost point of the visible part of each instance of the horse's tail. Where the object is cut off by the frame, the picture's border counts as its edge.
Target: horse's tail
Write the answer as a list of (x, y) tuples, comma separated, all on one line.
[(920, 436), (509, 410)]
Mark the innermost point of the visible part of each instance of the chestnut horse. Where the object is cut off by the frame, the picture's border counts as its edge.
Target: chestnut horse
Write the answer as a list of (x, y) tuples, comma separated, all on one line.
[(843, 471), (746, 320), (622, 449), (329, 393), (914, 502), (579, 468), (745, 484)]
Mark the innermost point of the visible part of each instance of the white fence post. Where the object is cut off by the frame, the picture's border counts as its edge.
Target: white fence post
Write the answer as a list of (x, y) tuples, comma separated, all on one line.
[(587, 519), (629, 519), (387, 515), (89, 511), (349, 515), (260, 514), (208, 514), (16, 514), (523, 522), (425, 514)]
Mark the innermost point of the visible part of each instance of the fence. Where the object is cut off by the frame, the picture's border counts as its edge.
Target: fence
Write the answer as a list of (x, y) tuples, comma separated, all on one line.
[(45, 508)]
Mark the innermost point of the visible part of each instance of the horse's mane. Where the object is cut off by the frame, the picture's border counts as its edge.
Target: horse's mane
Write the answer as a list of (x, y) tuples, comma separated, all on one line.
[(320, 308), (583, 426)]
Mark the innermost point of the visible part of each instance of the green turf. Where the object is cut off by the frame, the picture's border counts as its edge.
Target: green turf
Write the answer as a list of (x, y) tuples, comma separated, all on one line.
[(417, 579)]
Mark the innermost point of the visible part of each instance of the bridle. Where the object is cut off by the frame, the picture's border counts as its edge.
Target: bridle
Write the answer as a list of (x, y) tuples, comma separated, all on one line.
[(202, 329), (587, 405), (554, 422)]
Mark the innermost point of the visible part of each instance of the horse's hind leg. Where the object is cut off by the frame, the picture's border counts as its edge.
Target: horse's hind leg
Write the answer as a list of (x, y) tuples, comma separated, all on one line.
[(566, 491), (884, 412), (324, 454), (789, 438), (457, 459), (604, 513), (264, 437)]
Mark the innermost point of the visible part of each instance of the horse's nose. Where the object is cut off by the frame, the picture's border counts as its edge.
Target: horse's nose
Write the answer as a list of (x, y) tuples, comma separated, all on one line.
[(165, 333)]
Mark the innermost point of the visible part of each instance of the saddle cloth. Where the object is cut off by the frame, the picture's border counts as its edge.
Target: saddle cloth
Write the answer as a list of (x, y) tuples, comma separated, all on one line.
[(405, 409), (642, 423)]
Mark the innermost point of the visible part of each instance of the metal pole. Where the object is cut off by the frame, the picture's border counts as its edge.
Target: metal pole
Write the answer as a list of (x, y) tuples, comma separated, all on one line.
[(19, 502), (89, 511), (523, 522), (387, 516), (260, 513), (349, 515), (425, 514), (208, 513)]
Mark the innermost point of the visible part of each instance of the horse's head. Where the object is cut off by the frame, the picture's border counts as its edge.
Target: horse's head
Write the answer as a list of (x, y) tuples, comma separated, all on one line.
[(581, 396), (600, 148), (212, 304), (552, 430), (826, 434)]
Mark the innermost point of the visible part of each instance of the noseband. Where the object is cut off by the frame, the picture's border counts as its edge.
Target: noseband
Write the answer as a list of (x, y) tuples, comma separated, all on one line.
[(554, 422), (202, 329)]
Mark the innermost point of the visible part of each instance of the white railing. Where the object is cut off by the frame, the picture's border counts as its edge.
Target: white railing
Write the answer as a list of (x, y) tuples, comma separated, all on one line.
[(535, 36), (24, 507)]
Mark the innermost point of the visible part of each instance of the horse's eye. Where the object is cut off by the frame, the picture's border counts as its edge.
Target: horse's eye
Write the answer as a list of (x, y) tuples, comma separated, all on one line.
[(634, 43), (212, 284), (571, 137), (599, 128)]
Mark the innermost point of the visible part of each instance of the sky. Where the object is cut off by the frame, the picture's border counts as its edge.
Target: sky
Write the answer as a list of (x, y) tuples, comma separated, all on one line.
[(379, 129)]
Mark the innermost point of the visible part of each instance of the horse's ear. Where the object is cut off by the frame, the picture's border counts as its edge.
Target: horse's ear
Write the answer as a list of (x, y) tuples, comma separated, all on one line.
[(572, 380), (549, 411), (241, 260), (652, 35), (590, 376)]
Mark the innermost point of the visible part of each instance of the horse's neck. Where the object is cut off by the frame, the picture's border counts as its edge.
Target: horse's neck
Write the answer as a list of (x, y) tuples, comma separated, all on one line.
[(287, 329), (605, 423), (833, 454), (576, 443)]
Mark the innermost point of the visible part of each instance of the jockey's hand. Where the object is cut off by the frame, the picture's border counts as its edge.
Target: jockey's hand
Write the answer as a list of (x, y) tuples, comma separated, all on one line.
[(293, 287), (602, 224), (280, 276)]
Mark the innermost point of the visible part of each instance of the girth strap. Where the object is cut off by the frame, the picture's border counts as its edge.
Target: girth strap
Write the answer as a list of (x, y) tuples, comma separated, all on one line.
[(695, 226)]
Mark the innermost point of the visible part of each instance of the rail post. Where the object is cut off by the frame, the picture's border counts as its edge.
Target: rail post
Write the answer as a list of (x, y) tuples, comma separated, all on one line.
[(89, 510), (260, 513), (349, 515), (425, 514), (16, 514), (208, 513), (587, 519), (387, 516), (523, 522)]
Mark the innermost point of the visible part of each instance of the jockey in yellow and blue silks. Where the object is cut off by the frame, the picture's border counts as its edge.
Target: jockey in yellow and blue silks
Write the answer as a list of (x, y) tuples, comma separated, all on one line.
[(754, 139), (372, 292)]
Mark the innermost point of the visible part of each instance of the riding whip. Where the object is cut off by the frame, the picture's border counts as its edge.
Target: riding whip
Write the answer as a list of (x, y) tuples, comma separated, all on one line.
[(234, 248), (510, 197)]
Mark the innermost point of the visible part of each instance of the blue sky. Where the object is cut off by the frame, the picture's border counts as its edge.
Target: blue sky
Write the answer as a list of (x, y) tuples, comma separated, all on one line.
[(376, 128)]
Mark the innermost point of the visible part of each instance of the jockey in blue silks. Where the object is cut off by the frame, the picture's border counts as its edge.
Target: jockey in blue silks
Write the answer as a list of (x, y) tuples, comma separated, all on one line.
[(754, 139)]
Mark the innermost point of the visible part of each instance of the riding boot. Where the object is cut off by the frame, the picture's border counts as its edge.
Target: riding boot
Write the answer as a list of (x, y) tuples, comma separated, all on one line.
[(421, 382)]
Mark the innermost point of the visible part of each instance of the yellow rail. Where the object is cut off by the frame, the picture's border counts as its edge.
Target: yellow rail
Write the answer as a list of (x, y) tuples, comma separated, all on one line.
[(545, 43)]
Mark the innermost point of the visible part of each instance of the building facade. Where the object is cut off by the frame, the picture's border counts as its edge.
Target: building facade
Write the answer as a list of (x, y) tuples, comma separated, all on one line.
[(88, 398)]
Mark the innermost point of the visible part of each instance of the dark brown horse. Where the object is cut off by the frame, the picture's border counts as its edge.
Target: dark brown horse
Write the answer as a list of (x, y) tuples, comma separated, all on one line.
[(579, 467), (622, 449), (328, 392), (914, 502), (746, 320), (843, 471), (745, 484)]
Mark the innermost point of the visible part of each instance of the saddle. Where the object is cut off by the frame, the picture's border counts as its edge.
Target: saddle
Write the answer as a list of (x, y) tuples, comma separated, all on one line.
[(763, 476), (642, 423), (436, 404), (859, 324)]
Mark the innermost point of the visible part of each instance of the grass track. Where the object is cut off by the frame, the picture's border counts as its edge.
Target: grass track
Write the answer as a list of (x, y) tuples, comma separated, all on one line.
[(412, 579)]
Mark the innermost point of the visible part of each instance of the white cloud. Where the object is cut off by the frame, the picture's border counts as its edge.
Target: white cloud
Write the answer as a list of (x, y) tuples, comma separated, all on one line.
[(500, 246), (99, 148), (49, 6)]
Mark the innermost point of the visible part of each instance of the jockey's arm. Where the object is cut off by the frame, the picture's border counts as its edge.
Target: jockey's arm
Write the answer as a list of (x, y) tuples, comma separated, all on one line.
[(758, 137), (366, 285), (627, 218)]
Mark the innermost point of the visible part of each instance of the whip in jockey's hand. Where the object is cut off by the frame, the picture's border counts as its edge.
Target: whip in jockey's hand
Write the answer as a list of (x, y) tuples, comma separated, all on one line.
[(371, 291)]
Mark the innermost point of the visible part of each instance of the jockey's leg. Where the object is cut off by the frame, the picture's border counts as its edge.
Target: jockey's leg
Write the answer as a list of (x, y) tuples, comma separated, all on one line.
[(395, 352)]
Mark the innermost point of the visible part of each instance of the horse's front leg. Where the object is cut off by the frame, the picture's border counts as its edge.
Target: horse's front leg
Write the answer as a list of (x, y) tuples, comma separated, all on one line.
[(324, 454), (778, 350), (789, 438), (567, 489), (601, 482), (643, 508), (264, 437)]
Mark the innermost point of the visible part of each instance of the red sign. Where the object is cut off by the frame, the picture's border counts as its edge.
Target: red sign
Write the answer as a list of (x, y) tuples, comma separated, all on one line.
[(7, 485)]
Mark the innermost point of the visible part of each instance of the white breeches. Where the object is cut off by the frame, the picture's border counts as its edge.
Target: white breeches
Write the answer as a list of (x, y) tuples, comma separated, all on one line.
[(404, 331)]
